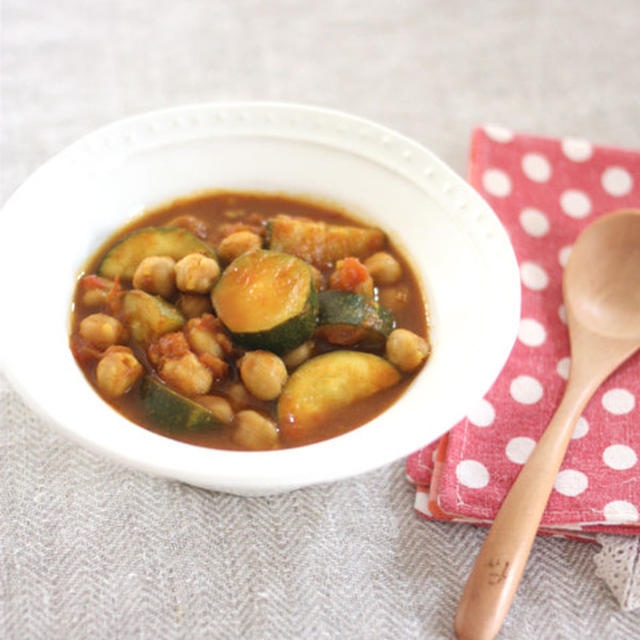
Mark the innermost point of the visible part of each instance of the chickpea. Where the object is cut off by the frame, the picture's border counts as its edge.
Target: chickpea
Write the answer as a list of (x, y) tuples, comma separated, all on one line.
[(96, 290), (383, 267), (225, 342), (157, 275), (238, 395), (237, 243), (263, 373), (193, 305), (406, 350), (117, 371), (394, 298), (102, 331), (254, 431), (94, 297), (297, 356), (219, 407), (201, 335), (187, 375), (196, 273)]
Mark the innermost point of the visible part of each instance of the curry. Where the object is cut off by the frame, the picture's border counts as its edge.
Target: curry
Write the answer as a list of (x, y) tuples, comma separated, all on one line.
[(249, 321)]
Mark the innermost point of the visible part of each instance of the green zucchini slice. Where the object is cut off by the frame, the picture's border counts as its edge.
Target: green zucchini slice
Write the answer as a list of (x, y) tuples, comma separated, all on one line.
[(319, 243), (170, 410), (125, 256), (267, 300), (149, 317), (346, 318), (324, 385)]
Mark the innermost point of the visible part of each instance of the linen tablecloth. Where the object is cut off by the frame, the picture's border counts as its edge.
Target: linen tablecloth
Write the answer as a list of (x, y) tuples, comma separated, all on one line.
[(90, 549)]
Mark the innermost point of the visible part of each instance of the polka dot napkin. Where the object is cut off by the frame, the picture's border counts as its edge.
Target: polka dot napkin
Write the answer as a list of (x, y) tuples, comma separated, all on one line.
[(545, 192)]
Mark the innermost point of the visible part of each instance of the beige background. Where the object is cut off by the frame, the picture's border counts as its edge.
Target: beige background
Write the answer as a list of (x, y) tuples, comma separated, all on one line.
[(89, 549)]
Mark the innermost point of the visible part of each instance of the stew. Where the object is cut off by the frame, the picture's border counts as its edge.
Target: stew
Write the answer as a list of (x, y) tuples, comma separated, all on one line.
[(249, 321)]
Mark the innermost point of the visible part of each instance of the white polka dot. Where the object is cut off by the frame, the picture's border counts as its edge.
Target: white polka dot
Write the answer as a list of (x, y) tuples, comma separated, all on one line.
[(526, 390), (563, 367), (577, 149), (531, 332), (482, 414), (616, 181), (534, 222), (562, 314), (472, 474), (581, 429), (619, 456), (498, 133), (571, 482), (618, 401), (496, 182), (620, 511), (519, 449), (533, 276), (575, 203), (536, 167), (563, 255)]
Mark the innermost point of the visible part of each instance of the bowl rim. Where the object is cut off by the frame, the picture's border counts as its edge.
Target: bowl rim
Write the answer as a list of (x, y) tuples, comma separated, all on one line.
[(286, 468)]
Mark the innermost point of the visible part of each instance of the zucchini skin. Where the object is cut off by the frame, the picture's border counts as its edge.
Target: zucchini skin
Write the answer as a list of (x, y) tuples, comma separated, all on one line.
[(291, 331), (287, 335), (123, 258), (371, 321), (149, 317), (170, 410)]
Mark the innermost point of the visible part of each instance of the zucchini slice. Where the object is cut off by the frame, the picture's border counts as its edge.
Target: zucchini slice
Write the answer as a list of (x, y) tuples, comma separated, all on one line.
[(346, 318), (149, 317), (170, 410), (125, 256), (267, 300), (324, 385), (320, 243)]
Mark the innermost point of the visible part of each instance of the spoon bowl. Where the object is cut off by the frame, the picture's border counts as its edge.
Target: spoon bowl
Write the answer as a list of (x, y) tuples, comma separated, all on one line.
[(601, 288), (602, 277)]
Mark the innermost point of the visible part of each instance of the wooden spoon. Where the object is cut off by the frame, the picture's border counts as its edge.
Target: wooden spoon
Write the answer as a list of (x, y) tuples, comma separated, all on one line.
[(601, 288)]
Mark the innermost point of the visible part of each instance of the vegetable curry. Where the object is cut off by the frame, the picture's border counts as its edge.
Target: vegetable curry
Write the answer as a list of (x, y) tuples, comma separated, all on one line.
[(249, 321)]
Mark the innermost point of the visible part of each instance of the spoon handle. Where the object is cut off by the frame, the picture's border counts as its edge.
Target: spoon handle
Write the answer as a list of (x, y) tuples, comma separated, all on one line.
[(496, 573)]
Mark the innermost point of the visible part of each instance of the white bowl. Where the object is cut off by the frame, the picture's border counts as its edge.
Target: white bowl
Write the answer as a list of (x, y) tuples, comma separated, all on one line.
[(63, 212)]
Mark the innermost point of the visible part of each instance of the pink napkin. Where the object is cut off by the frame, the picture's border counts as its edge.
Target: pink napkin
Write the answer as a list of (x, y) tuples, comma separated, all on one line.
[(545, 192)]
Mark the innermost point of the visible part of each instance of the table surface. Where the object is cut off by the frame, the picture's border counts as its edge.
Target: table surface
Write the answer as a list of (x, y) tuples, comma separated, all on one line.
[(89, 549)]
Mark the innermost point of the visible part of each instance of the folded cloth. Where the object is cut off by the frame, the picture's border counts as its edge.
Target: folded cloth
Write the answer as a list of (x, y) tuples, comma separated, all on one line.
[(545, 192)]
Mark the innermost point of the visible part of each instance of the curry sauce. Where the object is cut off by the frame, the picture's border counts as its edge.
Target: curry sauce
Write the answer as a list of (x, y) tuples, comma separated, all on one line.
[(162, 349)]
